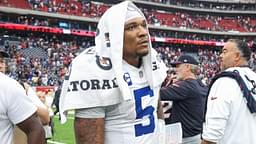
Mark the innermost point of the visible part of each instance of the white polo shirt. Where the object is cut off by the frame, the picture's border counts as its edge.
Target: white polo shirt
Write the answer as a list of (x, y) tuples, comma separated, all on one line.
[(228, 119)]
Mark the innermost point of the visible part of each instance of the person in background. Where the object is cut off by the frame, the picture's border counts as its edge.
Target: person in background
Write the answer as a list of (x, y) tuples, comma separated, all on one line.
[(42, 110), (188, 95), (17, 109), (3, 57), (56, 100), (48, 128), (231, 112)]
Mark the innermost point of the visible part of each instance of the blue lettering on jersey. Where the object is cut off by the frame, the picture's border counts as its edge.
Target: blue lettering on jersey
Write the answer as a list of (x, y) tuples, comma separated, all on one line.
[(147, 111)]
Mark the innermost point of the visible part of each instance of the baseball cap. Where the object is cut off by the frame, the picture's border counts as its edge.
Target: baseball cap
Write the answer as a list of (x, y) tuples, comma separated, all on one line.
[(185, 59), (4, 54)]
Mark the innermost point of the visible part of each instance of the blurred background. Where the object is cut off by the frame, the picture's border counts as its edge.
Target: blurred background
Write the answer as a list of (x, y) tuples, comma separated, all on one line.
[(43, 36)]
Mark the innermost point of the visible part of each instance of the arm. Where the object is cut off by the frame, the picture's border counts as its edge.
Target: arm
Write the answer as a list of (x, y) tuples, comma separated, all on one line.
[(89, 130), (43, 114), (42, 111), (33, 129), (160, 113), (207, 142)]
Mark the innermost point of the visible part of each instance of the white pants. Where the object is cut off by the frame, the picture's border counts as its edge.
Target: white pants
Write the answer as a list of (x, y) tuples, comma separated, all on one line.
[(192, 140)]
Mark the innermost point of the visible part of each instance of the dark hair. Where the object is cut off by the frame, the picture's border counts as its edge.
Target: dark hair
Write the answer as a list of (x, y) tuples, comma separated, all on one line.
[(243, 48)]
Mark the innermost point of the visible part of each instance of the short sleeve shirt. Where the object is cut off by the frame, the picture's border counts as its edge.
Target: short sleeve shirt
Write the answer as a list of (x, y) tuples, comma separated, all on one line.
[(15, 107)]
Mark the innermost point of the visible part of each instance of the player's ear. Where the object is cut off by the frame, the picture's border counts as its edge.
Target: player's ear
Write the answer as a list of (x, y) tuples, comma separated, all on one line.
[(238, 55)]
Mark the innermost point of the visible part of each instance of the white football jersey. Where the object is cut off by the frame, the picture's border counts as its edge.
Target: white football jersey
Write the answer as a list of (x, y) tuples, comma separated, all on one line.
[(133, 121)]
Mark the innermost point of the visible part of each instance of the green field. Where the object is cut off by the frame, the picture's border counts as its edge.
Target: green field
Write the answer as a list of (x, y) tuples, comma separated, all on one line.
[(63, 133)]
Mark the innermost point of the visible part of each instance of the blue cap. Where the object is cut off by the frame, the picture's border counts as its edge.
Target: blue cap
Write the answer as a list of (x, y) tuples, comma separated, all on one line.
[(188, 59)]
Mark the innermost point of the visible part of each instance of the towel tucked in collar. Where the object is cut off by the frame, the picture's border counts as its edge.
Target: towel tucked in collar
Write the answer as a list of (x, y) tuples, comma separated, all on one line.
[(247, 84), (95, 77), (245, 78)]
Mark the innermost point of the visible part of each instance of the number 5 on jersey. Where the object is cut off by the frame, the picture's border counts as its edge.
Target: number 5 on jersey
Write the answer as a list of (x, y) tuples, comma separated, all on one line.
[(146, 112)]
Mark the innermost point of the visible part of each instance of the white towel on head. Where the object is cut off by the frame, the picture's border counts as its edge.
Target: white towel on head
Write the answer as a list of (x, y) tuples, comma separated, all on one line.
[(94, 75)]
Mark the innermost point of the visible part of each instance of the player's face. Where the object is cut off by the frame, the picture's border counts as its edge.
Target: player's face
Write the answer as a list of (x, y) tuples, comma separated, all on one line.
[(2, 65), (136, 39), (229, 55)]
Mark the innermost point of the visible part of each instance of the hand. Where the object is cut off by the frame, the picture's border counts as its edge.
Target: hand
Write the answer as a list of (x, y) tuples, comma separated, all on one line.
[(168, 80), (173, 78)]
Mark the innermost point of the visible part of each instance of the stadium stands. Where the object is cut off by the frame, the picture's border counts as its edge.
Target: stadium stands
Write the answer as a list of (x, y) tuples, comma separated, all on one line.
[(231, 5), (41, 56), (184, 19)]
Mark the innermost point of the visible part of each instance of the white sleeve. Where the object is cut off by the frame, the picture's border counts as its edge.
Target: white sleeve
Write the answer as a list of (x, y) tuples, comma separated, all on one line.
[(20, 107), (218, 108), (34, 98)]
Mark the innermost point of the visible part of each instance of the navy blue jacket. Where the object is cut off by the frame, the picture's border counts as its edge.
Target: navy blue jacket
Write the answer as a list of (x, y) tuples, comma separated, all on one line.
[(189, 98)]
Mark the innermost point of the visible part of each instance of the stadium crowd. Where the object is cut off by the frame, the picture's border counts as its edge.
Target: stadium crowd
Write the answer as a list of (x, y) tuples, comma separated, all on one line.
[(184, 19), (42, 59), (35, 67), (228, 6), (49, 69), (49, 22)]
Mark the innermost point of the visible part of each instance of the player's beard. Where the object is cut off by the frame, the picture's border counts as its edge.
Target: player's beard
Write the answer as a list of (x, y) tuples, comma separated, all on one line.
[(143, 52)]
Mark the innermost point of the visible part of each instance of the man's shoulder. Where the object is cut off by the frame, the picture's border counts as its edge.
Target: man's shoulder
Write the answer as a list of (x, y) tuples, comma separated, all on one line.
[(196, 85), (224, 80), (7, 81), (230, 75)]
